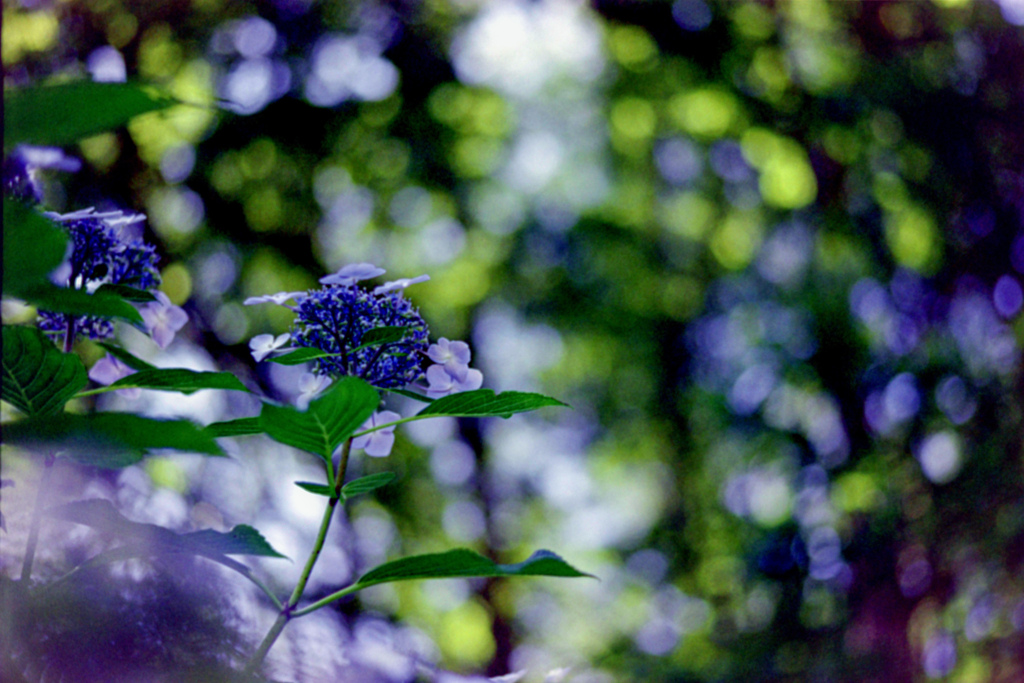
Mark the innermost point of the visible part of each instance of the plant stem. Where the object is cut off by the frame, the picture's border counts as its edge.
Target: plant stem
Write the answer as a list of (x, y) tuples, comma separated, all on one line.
[(287, 612), (69, 335), (37, 517), (337, 595)]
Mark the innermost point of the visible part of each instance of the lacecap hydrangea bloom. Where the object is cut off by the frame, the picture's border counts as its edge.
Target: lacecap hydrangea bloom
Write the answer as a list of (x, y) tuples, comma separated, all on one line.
[(20, 170), (335, 320), (101, 253)]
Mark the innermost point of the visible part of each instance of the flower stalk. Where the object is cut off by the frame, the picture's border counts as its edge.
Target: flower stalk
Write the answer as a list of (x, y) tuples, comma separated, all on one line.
[(288, 610)]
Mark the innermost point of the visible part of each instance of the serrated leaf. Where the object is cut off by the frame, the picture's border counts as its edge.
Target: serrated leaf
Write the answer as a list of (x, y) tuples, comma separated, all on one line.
[(101, 514), (318, 489), (77, 302), (463, 563), (180, 380), (61, 114), (329, 420), (242, 540), (299, 356), (38, 379), (33, 247), (110, 440), (127, 293), (370, 482), (485, 403), (243, 426), (128, 359)]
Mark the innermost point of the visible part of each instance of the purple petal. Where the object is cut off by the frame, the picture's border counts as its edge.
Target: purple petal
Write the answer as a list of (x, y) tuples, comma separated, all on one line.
[(352, 273), (163, 336), (380, 444), (108, 370)]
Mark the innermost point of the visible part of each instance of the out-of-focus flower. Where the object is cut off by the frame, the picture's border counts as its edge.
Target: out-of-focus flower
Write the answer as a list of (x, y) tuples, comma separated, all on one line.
[(441, 383), (378, 443), (451, 372), (101, 253), (453, 355), (352, 273), (163, 319), (108, 370), (281, 299), (263, 345), (310, 386), (19, 170), (399, 285)]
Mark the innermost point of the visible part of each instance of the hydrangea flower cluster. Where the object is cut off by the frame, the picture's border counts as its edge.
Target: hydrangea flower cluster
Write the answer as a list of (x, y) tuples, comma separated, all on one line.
[(100, 252), (20, 170), (335, 319)]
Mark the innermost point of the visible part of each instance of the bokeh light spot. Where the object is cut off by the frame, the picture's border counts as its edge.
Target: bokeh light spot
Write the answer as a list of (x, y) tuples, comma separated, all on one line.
[(737, 238), (632, 47), (940, 457), (912, 237), (707, 113), (464, 634)]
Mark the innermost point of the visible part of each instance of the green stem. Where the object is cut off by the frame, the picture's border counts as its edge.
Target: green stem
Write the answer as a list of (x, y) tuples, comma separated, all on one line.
[(337, 595), (37, 517), (287, 612), (339, 481), (100, 390), (268, 641)]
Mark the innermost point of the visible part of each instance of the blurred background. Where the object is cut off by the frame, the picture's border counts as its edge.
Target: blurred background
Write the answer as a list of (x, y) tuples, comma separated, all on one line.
[(771, 253)]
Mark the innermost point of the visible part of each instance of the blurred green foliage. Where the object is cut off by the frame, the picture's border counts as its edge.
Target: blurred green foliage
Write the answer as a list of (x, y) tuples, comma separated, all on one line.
[(771, 253)]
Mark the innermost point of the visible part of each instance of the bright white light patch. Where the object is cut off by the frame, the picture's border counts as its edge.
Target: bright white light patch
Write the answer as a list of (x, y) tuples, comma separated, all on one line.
[(940, 457), (106, 65)]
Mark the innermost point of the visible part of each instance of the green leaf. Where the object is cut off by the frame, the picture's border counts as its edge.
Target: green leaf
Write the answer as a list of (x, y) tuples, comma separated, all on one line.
[(318, 489), (101, 514), (127, 293), (243, 426), (75, 301), (242, 540), (371, 482), (412, 395), (329, 420), (300, 356), (110, 440), (38, 379), (149, 540), (128, 359), (484, 403), (375, 337), (179, 379), (379, 336), (61, 114), (33, 247), (466, 564), (354, 488)]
